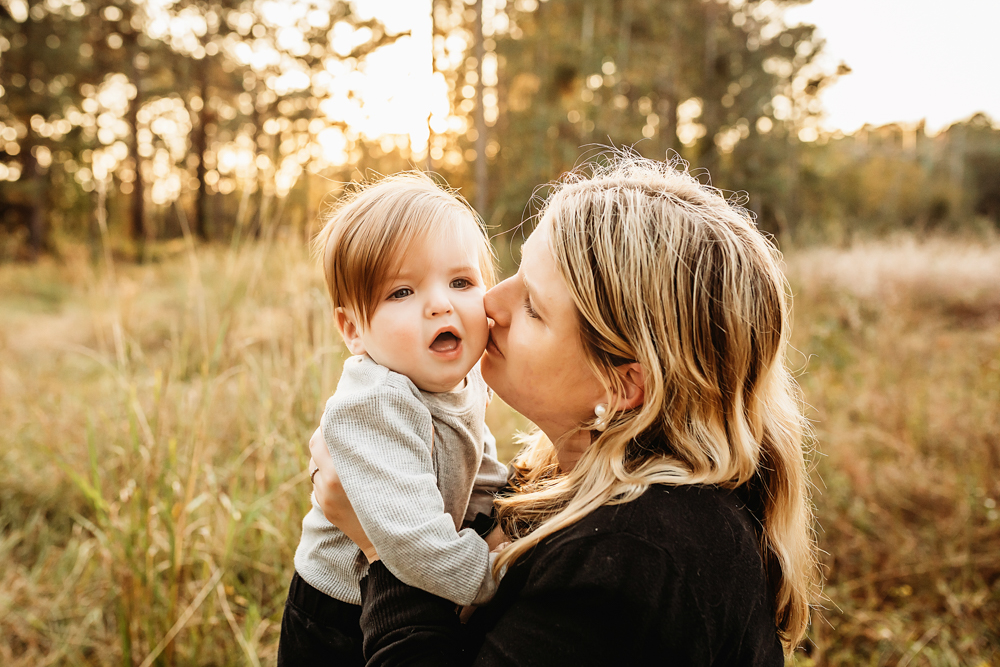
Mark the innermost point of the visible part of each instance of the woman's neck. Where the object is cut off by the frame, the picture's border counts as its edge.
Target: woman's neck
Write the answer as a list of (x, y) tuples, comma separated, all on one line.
[(570, 448)]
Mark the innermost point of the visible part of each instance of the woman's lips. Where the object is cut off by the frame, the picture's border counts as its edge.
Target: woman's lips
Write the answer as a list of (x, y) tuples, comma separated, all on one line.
[(491, 346)]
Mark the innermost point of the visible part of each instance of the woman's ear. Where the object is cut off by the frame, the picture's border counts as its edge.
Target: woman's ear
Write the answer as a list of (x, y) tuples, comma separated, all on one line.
[(349, 330), (634, 383)]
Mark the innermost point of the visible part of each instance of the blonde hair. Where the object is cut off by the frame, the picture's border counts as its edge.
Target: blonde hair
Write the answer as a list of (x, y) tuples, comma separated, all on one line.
[(665, 272), (372, 225)]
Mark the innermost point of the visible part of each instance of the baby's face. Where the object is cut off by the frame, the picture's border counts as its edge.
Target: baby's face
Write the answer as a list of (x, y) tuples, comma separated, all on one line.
[(430, 324)]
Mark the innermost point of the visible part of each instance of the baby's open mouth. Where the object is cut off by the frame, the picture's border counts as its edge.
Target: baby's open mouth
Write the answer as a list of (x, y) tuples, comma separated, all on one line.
[(446, 341)]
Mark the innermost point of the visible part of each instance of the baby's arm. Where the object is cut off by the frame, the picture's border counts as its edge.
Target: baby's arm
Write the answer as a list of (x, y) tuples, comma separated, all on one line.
[(380, 440)]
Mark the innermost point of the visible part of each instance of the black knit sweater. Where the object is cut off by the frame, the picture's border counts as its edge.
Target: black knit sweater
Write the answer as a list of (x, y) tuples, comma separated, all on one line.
[(672, 578)]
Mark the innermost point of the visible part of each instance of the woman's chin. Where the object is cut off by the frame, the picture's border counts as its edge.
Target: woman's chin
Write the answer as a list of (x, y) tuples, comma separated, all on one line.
[(489, 366)]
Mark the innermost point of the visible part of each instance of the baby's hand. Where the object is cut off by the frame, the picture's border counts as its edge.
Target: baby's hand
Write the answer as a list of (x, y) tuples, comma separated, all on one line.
[(465, 613)]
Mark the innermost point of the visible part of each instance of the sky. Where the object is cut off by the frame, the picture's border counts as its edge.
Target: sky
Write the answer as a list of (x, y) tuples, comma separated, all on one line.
[(399, 89), (911, 59)]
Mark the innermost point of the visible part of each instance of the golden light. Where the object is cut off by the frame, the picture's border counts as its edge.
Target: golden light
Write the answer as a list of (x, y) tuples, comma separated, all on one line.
[(334, 145), (392, 98)]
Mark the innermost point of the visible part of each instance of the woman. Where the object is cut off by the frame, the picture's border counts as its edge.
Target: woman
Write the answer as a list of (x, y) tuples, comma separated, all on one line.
[(660, 513)]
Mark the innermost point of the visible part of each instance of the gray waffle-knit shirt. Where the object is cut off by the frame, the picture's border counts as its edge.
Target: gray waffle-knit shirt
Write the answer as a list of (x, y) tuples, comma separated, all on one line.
[(415, 465)]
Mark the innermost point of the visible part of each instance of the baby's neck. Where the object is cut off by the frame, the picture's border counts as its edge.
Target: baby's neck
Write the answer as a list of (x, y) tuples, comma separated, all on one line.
[(458, 387)]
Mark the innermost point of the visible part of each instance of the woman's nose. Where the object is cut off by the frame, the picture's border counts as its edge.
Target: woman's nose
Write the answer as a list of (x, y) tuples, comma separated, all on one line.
[(497, 302)]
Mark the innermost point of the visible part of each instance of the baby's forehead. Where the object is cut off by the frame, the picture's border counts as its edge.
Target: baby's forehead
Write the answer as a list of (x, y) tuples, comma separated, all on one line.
[(457, 229), (452, 248)]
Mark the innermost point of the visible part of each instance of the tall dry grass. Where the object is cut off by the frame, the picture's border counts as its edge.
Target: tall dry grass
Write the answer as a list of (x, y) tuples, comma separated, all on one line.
[(155, 417), (153, 457), (899, 346), (153, 453)]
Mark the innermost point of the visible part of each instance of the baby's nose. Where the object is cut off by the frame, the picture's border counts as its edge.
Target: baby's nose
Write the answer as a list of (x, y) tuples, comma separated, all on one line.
[(438, 304)]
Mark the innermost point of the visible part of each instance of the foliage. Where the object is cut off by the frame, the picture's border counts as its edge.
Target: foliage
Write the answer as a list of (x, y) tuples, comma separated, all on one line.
[(194, 98), (226, 115), (896, 177), (723, 84)]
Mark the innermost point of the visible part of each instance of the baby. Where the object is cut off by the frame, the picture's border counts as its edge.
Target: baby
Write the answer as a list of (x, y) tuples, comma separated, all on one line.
[(407, 265)]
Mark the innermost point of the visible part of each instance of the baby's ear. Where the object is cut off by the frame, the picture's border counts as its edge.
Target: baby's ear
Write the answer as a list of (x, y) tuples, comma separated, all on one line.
[(349, 330)]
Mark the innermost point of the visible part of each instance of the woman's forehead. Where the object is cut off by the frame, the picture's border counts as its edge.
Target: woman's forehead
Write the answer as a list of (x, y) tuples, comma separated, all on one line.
[(540, 273), (537, 240)]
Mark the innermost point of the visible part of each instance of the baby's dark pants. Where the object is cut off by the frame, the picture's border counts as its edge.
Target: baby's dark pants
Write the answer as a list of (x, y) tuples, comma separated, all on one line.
[(317, 629)]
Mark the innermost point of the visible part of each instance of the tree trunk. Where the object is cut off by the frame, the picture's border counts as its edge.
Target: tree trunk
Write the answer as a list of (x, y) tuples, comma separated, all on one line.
[(32, 171), (480, 119), (711, 102), (137, 212), (666, 109), (429, 161), (624, 46), (668, 97), (37, 229), (256, 214), (199, 144)]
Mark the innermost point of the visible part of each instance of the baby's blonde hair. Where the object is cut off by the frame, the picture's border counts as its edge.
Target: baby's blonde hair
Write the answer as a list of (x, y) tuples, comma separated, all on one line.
[(666, 273), (372, 225)]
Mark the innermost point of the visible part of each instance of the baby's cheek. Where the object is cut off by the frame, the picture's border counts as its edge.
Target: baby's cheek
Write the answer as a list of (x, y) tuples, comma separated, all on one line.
[(476, 311), (402, 335), (478, 326)]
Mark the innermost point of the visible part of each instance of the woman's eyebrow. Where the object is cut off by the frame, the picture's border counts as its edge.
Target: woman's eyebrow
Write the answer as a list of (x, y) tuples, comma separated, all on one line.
[(531, 292)]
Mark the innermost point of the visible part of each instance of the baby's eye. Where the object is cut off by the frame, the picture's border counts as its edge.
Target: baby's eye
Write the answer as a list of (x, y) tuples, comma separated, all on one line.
[(461, 283), (401, 293)]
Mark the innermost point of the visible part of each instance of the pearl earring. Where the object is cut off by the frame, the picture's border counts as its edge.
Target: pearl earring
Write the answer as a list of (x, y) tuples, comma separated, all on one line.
[(601, 410)]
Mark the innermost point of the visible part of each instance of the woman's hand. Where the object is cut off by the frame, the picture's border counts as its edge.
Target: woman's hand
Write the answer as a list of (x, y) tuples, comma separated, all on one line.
[(332, 499), (497, 541)]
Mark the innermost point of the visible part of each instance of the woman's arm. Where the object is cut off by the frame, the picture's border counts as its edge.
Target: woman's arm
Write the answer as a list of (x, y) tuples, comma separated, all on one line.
[(404, 625), (596, 600)]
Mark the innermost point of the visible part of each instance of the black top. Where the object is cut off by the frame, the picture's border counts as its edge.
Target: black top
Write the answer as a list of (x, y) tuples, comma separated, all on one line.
[(674, 577)]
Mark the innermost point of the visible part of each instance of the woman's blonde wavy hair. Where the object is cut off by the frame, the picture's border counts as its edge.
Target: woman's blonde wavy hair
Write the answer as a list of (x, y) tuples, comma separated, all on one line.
[(666, 272)]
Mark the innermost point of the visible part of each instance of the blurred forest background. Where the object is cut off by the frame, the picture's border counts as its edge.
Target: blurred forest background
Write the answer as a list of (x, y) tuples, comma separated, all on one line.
[(166, 344), (235, 116)]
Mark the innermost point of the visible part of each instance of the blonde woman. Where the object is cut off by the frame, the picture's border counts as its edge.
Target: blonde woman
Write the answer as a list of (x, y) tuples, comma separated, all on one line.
[(660, 514)]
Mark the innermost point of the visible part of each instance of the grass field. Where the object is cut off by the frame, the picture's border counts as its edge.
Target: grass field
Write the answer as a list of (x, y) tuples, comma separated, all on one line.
[(152, 479)]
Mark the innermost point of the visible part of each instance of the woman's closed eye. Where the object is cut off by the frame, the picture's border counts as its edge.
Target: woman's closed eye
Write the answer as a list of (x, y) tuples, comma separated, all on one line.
[(528, 309)]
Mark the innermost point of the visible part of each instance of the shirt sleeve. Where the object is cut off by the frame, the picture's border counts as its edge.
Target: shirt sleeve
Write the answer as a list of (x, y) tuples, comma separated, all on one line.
[(490, 478), (404, 625), (380, 439), (593, 601)]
